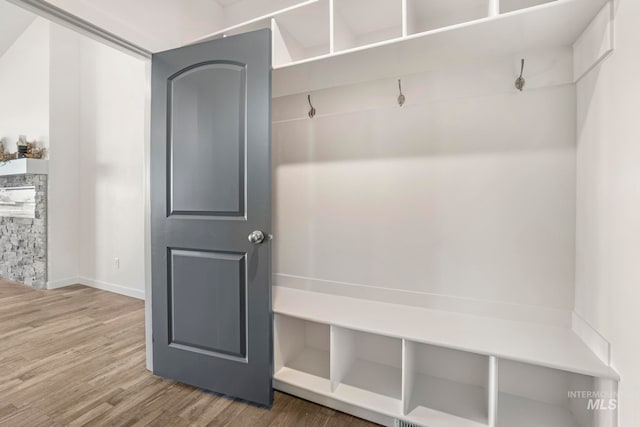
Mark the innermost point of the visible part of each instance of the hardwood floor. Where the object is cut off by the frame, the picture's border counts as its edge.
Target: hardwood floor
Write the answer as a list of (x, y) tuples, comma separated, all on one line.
[(75, 356)]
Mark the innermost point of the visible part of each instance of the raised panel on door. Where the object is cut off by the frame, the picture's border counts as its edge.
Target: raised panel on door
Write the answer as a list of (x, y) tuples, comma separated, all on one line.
[(212, 293), (207, 139)]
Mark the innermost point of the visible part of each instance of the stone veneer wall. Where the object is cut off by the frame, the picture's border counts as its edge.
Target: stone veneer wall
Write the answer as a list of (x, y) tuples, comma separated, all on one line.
[(23, 241)]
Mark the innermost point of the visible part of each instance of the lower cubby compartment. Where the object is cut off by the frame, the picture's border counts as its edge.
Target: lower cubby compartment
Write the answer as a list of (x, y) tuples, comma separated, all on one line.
[(367, 368), (534, 396), (444, 385), (301, 353)]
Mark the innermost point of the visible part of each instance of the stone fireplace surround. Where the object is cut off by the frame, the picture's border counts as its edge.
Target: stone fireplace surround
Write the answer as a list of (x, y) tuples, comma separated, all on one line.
[(23, 241)]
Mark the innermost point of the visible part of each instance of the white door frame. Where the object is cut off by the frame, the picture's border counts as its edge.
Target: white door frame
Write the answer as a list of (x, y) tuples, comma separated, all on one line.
[(73, 22)]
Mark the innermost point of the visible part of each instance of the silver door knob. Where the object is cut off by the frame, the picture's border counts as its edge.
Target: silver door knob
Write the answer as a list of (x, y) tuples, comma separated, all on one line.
[(256, 237)]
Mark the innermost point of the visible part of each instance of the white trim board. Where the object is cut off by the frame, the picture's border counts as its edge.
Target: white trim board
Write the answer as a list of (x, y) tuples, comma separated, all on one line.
[(495, 309), (595, 44), (591, 338), (97, 284), (63, 283)]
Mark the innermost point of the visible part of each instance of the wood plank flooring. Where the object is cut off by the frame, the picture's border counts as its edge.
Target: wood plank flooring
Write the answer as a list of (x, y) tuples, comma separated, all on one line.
[(75, 356)]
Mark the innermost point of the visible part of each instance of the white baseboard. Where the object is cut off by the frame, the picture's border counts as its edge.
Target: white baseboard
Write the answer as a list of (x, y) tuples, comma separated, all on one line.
[(97, 284), (63, 283), (591, 337), (502, 310), (112, 287)]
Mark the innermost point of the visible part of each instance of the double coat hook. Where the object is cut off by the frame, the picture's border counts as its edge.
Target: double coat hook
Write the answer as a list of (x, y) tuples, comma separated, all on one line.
[(520, 82), (312, 109), (401, 97)]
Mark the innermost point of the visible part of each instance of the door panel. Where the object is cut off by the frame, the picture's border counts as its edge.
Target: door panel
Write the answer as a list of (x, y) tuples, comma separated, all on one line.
[(210, 188), (207, 137), (208, 307)]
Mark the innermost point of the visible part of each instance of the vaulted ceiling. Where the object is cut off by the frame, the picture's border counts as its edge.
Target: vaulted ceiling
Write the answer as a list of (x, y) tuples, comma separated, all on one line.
[(157, 25)]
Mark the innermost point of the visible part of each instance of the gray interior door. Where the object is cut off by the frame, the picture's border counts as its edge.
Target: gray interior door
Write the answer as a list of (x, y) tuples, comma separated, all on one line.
[(211, 215)]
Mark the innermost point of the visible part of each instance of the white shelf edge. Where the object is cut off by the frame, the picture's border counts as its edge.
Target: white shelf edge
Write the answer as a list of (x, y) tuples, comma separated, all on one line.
[(302, 379), (407, 37), (24, 167), (272, 15), (594, 367)]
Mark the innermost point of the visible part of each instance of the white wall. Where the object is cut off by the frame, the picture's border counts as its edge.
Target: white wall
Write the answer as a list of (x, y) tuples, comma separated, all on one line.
[(468, 191), (608, 227), (112, 199), (64, 156), (87, 102), (24, 87)]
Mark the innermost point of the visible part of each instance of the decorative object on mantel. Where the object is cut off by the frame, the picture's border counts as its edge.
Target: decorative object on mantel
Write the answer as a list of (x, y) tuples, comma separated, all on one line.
[(22, 146), (5, 156), (26, 149)]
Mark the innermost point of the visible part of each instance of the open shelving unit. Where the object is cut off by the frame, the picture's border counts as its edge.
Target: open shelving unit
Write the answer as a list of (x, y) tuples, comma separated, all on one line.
[(387, 362), (369, 39), (431, 367)]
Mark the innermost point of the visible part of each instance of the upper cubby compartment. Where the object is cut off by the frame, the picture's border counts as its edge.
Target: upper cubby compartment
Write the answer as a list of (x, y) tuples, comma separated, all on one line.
[(507, 6), (301, 33), (250, 26), (363, 22), (427, 15)]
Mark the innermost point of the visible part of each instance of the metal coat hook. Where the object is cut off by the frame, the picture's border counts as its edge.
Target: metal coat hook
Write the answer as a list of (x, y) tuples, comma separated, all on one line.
[(401, 97), (520, 82), (312, 110)]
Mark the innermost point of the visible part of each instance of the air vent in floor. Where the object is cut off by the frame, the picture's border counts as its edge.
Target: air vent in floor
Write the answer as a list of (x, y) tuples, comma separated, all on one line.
[(400, 423)]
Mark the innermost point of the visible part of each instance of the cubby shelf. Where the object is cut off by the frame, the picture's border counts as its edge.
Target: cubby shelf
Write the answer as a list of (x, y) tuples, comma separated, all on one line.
[(328, 349), (370, 39), (541, 345)]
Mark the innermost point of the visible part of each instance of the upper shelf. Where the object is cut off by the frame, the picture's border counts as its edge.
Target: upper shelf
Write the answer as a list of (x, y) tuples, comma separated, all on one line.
[(548, 346), (373, 39), (24, 167)]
